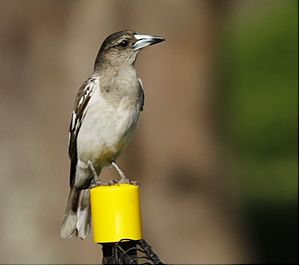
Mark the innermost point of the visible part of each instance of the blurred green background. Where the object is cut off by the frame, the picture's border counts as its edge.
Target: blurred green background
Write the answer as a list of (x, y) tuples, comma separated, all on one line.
[(216, 148), (261, 113)]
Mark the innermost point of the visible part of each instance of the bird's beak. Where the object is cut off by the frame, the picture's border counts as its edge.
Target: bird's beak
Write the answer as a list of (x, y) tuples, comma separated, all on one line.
[(145, 40)]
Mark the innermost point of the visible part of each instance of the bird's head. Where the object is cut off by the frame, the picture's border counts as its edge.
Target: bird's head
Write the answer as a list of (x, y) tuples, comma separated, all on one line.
[(122, 48)]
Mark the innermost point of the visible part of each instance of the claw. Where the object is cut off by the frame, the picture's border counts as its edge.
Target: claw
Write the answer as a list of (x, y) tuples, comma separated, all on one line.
[(97, 182), (112, 182), (128, 181)]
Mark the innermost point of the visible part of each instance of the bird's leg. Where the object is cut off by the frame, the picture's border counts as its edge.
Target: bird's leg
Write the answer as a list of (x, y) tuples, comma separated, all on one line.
[(91, 166), (120, 172), (124, 179), (96, 181)]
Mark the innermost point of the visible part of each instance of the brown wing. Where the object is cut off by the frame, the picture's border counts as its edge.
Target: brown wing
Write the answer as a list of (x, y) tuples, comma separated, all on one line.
[(142, 95), (82, 98)]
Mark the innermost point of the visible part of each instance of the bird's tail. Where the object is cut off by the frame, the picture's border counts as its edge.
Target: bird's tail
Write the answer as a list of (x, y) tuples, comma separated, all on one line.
[(76, 223)]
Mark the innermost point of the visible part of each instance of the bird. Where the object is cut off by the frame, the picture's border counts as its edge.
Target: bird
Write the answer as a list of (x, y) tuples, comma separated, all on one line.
[(105, 114)]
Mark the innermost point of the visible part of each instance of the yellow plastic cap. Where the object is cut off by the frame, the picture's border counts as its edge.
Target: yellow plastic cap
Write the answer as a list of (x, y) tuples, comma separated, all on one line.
[(116, 213)]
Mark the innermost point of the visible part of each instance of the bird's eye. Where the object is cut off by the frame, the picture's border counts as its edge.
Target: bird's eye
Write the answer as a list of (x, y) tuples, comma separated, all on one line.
[(124, 43)]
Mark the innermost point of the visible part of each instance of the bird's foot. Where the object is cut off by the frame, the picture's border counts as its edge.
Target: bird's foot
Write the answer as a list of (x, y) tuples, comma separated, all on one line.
[(124, 179), (112, 182), (97, 182), (127, 180)]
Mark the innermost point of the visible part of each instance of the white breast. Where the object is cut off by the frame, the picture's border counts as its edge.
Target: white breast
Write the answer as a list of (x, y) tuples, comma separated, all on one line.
[(105, 130)]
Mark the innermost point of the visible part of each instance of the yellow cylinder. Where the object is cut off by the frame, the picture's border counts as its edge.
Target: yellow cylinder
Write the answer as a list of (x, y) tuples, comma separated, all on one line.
[(115, 213)]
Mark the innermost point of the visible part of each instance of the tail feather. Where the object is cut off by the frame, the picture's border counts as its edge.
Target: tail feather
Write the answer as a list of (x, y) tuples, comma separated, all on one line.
[(76, 221), (83, 214)]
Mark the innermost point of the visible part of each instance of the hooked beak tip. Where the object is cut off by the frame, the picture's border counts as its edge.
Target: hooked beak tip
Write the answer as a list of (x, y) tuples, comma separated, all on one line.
[(143, 41)]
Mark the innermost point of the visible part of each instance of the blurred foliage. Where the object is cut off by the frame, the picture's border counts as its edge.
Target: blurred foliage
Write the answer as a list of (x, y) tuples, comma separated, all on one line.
[(261, 101)]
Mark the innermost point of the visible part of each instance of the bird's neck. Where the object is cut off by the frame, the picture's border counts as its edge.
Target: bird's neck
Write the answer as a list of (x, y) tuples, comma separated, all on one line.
[(119, 84)]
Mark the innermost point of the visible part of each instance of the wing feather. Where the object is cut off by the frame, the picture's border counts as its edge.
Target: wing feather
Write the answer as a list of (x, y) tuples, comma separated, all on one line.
[(82, 98), (142, 95)]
